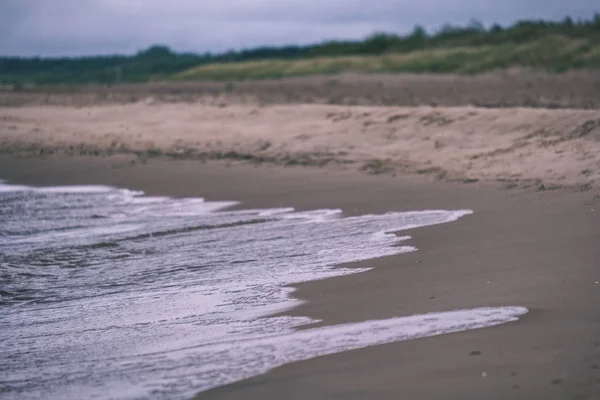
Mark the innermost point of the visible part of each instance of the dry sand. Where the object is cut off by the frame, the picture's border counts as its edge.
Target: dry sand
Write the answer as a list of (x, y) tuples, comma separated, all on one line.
[(520, 247), (518, 146)]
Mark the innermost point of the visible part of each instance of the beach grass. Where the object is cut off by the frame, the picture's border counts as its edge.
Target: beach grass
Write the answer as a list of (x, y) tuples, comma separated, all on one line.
[(554, 53)]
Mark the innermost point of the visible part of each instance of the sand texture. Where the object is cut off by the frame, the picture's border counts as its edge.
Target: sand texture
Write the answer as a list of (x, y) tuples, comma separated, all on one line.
[(381, 144), (507, 88), (520, 248), (518, 146)]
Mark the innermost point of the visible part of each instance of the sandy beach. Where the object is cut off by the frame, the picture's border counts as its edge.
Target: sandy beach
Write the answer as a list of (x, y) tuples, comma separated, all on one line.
[(530, 175), (517, 146), (515, 87), (520, 247)]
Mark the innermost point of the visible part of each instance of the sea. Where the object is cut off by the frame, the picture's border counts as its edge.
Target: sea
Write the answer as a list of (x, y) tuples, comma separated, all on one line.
[(106, 293)]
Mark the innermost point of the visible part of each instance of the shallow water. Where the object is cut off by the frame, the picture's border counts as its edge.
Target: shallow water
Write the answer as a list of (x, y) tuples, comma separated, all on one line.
[(107, 293)]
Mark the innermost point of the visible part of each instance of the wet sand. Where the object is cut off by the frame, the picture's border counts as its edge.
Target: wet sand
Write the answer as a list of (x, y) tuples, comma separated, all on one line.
[(537, 249)]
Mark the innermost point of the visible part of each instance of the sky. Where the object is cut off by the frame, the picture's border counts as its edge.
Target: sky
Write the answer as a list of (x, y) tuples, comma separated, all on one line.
[(53, 28)]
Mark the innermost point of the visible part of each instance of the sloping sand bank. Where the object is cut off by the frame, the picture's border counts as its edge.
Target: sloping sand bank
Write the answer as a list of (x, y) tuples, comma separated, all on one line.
[(526, 147)]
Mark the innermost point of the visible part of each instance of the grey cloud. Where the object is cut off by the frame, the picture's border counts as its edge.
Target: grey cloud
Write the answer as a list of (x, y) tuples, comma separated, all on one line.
[(75, 27)]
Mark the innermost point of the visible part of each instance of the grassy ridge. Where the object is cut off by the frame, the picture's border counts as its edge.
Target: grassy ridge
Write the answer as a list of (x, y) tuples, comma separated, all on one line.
[(556, 46), (555, 53)]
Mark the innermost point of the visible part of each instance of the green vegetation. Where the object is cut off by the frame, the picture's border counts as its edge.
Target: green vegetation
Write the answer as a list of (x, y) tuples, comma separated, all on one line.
[(553, 46), (156, 62), (555, 53)]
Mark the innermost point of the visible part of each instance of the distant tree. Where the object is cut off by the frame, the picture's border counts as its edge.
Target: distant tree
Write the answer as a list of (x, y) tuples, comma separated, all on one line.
[(496, 29), (159, 61), (476, 25), (416, 40), (377, 43), (419, 32), (568, 22), (156, 52)]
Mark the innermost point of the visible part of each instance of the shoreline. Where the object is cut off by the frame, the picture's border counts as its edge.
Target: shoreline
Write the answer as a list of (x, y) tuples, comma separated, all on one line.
[(373, 144), (521, 247)]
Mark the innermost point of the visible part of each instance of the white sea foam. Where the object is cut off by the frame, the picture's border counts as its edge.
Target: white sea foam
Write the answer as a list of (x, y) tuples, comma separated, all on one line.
[(260, 354), (4, 187), (152, 297), (222, 362), (74, 189)]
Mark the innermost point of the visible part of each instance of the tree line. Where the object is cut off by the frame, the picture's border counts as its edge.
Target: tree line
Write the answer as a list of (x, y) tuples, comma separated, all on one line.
[(159, 61)]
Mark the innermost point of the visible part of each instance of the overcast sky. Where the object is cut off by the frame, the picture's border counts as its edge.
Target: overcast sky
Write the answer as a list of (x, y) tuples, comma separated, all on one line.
[(83, 27)]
